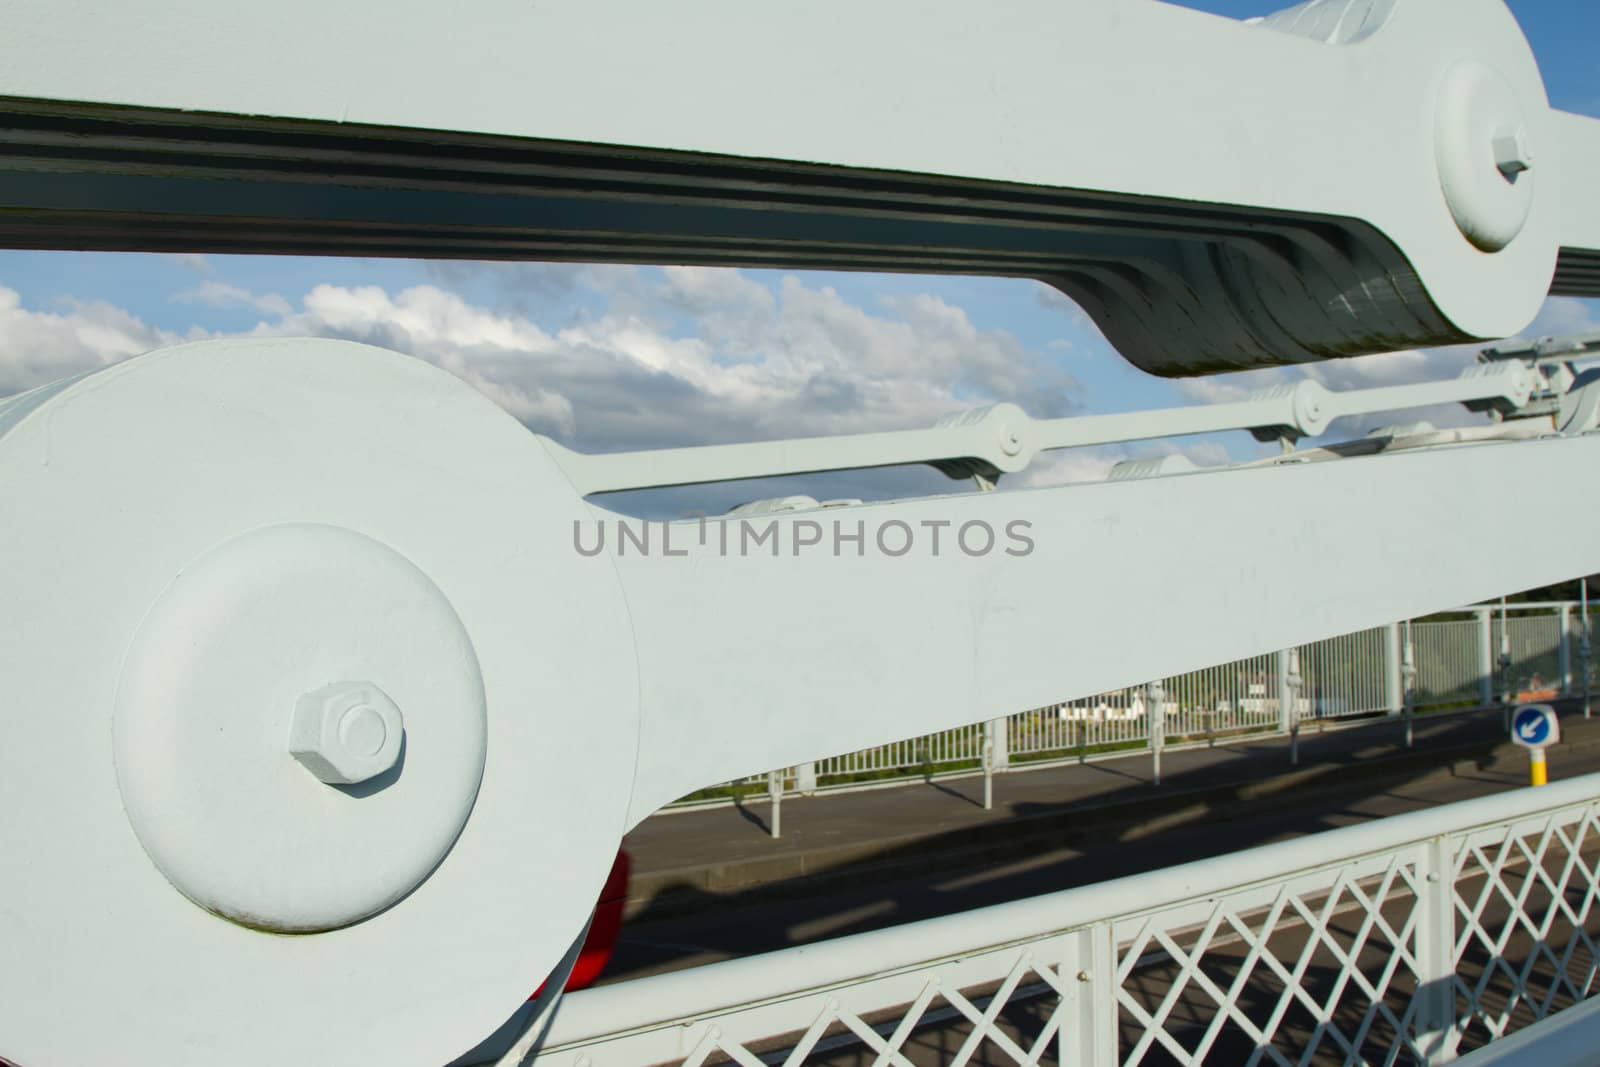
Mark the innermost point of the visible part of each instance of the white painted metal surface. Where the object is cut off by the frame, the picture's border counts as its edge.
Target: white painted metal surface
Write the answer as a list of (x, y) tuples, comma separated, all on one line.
[(202, 719), (1419, 190), (169, 652), (1406, 940), (202, 540), (348, 733), (878, 637), (131, 495), (1566, 1039)]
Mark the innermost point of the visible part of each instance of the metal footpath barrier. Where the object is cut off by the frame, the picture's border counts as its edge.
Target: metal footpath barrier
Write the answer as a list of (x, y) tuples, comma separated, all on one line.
[(1410, 940), (1467, 659)]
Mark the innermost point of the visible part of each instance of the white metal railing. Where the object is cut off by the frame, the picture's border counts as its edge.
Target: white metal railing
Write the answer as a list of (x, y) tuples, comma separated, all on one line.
[(1346, 675), (1456, 661), (948, 746), (1447, 664), (1405, 940), (1535, 649)]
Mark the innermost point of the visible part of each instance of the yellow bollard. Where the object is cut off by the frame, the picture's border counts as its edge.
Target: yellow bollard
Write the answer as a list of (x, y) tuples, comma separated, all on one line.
[(1535, 727)]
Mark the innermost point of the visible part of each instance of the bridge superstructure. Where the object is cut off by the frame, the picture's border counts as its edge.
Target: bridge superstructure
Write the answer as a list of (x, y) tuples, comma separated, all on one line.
[(296, 638)]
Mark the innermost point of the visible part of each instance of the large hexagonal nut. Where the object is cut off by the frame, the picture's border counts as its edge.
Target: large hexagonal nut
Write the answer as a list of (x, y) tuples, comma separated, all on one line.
[(346, 733)]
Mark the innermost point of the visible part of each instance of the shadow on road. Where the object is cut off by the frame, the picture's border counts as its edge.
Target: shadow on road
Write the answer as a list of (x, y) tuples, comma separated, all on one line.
[(1034, 847)]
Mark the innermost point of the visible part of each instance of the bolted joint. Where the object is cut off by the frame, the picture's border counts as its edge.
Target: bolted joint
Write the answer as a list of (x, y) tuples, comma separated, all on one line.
[(1010, 441), (346, 733), (1512, 155)]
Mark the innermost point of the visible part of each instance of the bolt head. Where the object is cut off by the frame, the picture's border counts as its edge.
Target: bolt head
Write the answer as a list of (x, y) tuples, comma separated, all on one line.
[(1512, 153), (346, 733)]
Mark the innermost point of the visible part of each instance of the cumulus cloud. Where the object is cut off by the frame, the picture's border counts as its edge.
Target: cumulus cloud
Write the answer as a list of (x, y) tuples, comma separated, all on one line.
[(546, 291), (651, 358), (696, 355), (606, 358), (40, 346), (619, 357)]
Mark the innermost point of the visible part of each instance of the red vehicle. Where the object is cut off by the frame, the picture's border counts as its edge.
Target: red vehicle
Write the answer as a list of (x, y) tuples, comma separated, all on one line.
[(603, 928)]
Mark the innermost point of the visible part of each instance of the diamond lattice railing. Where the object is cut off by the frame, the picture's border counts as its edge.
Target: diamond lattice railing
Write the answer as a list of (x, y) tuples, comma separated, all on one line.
[(1361, 946), (1525, 906), (958, 1026), (1319, 968)]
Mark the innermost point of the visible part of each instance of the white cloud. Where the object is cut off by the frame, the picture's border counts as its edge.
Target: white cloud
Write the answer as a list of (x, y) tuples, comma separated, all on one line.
[(1065, 467), (689, 355), (623, 357), (40, 346), (221, 294), (190, 261), (1563, 315), (1094, 464)]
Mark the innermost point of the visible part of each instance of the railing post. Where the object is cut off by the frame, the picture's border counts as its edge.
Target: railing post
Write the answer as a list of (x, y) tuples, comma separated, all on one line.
[(1485, 657), (805, 779), (1285, 694), (775, 791), (1436, 1036), (1394, 693), (1088, 1031), (1289, 700), (988, 770), (1585, 650), (1408, 681), (998, 737), (1155, 698), (1566, 650), (1507, 698)]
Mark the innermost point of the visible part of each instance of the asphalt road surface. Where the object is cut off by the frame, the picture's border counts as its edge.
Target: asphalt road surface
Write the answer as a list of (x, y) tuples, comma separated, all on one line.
[(734, 928)]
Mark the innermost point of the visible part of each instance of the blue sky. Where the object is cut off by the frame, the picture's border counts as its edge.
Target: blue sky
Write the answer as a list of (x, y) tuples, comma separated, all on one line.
[(605, 358), (1564, 35)]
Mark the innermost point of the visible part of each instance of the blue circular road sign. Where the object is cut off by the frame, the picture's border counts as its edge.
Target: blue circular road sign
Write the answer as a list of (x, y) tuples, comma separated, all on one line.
[(1533, 726)]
